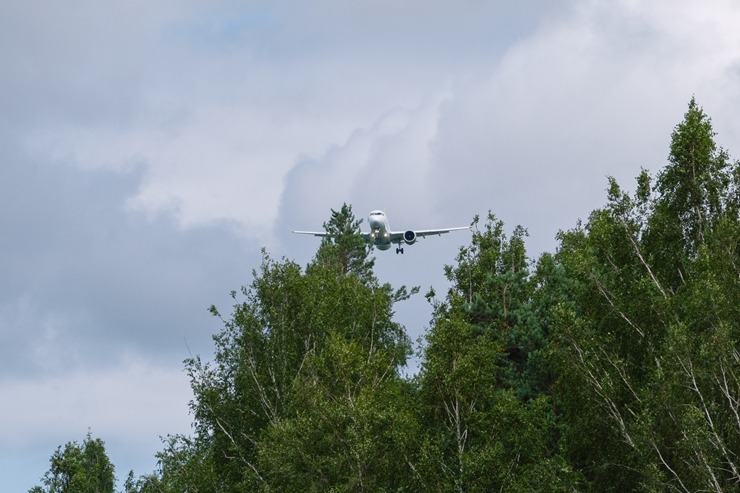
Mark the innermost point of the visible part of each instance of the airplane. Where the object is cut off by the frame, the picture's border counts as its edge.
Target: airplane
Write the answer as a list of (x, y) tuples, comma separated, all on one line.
[(382, 237)]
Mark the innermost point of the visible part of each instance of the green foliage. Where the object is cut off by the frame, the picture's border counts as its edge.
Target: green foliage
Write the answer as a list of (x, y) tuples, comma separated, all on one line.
[(646, 347), (274, 350), (694, 193), (610, 365), (487, 416), (79, 468), (344, 250), (494, 290), (185, 464), (352, 430)]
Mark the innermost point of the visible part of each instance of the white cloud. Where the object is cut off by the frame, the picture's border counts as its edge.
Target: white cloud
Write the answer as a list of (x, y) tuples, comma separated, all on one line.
[(123, 404), (129, 407), (383, 166), (221, 103), (594, 94)]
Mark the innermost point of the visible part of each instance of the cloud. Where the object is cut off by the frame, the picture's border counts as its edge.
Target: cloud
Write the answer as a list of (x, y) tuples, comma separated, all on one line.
[(595, 94), (99, 306), (129, 407), (94, 87), (134, 396), (221, 102), (86, 280), (378, 167)]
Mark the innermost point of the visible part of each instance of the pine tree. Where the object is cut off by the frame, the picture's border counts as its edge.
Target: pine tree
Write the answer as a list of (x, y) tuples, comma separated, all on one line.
[(345, 250), (485, 376)]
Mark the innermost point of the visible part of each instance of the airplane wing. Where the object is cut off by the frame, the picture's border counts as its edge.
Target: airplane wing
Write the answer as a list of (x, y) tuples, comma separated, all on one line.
[(368, 238), (398, 236), (315, 233)]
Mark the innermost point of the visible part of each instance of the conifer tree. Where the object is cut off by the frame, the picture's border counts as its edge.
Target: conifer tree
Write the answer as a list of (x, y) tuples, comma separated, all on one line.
[(485, 379), (345, 250)]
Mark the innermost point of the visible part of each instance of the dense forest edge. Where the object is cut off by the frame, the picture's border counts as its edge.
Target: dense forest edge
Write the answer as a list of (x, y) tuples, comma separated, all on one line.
[(610, 365)]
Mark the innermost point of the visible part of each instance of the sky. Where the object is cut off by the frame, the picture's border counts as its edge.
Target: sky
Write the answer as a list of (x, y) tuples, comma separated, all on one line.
[(150, 150)]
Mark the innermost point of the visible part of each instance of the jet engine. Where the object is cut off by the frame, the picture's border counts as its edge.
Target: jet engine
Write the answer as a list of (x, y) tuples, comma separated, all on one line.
[(409, 237)]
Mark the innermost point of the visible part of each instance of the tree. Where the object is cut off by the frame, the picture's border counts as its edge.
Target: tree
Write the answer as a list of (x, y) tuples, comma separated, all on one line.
[(646, 346), (273, 346), (185, 464), (483, 388), (494, 290), (352, 427), (345, 250), (694, 193), (79, 468)]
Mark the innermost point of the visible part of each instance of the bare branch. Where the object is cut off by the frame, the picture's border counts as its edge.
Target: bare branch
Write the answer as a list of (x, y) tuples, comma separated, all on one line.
[(608, 298), (670, 469)]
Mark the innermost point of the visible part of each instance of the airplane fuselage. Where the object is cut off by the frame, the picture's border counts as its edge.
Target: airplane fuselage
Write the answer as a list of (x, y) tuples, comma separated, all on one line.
[(379, 230)]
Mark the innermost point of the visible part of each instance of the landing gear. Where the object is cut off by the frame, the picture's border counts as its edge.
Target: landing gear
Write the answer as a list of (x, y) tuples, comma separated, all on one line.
[(399, 250)]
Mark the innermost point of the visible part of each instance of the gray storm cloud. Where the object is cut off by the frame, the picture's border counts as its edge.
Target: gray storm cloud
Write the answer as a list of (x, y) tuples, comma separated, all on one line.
[(85, 280)]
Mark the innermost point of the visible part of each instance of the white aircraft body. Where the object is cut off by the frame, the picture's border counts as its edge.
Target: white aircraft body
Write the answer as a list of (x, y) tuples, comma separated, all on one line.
[(382, 237)]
